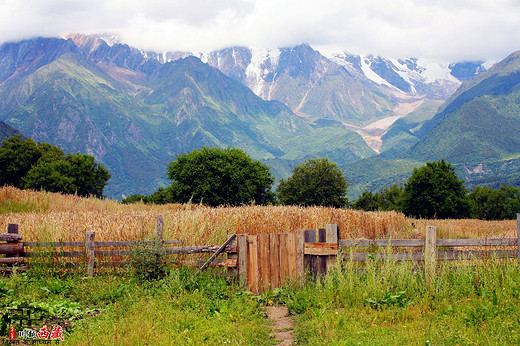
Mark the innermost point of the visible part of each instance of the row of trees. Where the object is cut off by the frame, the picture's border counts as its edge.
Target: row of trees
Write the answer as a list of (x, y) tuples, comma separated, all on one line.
[(26, 164), (434, 191), (215, 176)]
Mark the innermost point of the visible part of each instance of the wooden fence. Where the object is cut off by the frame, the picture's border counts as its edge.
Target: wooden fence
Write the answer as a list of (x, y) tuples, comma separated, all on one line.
[(267, 261)]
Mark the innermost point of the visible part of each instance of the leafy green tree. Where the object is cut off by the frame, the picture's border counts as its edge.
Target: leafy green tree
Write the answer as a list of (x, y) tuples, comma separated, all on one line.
[(387, 199), (491, 204), (74, 173), (368, 201), (215, 176), (315, 182), (26, 164), (17, 156), (434, 191)]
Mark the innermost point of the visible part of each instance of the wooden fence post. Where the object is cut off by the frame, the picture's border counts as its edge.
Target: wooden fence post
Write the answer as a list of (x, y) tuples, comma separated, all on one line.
[(518, 236), (159, 232), (430, 252), (90, 251)]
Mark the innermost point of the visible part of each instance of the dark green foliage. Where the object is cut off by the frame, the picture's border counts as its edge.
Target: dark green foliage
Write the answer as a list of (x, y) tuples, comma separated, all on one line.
[(17, 156), (491, 204), (387, 199), (315, 182), (434, 191), (41, 166), (215, 176)]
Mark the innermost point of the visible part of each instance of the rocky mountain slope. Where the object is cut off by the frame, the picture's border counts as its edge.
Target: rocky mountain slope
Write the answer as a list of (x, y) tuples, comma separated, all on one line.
[(134, 113)]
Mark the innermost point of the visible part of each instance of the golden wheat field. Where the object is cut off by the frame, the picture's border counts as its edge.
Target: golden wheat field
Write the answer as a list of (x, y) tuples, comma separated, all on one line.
[(44, 216)]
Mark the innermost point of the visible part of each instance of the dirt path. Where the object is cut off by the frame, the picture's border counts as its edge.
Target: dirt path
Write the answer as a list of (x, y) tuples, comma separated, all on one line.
[(282, 326)]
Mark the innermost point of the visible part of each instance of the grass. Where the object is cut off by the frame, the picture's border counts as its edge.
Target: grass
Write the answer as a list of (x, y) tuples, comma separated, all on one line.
[(178, 309), (392, 303)]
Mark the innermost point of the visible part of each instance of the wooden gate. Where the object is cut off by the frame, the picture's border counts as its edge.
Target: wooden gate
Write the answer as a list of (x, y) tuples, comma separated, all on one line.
[(267, 261)]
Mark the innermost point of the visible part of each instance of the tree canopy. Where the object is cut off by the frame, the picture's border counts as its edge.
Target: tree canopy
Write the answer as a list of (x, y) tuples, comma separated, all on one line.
[(434, 191), (26, 164), (315, 182), (491, 204), (215, 176)]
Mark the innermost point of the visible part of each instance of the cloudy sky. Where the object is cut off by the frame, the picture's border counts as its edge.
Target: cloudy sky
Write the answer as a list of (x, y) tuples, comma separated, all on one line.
[(446, 30)]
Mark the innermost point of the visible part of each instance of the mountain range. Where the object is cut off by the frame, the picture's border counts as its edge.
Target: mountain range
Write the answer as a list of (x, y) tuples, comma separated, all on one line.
[(135, 110)]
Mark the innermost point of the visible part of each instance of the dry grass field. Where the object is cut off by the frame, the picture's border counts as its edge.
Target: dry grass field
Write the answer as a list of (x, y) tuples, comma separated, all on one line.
[(44, 216)]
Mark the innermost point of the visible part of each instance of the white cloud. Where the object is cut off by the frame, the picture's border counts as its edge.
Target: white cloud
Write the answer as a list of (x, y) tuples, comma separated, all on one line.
[(442, 29)]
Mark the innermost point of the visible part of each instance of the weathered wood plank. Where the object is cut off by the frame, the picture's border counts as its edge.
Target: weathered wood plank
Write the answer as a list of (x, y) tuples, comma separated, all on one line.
[(11, 237), (11, 248), (399, 256), (55, 254), (382, 242), (252, 265), (263, 262), (475, 254), (97, 243), (300, 254), (321, 249), (477, 242), (242, 248), (274, 260), (12, 260), (332, 238), (292, 254)]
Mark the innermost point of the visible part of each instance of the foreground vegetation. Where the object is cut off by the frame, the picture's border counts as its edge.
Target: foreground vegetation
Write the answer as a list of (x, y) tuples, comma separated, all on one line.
[(178, 309), (385, 302), (392, 303)]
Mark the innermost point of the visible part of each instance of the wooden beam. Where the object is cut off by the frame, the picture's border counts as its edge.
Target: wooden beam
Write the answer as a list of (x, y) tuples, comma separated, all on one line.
[(11, 248), (12, 260), (321, 249), (10, 237)]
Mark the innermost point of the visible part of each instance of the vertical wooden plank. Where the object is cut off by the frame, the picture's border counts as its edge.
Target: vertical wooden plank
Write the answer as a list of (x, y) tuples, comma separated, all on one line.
[(274, 260), (310, 262), (90, 251), (242, 248), (292, 254), (252, 265), (263, 261), (284, 260), (300, 263), (332, 237), (322, 260), (430, 252)]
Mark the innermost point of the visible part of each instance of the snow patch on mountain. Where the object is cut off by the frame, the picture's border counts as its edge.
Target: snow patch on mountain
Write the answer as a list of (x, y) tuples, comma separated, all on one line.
[(370, 74), (263, 63)]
